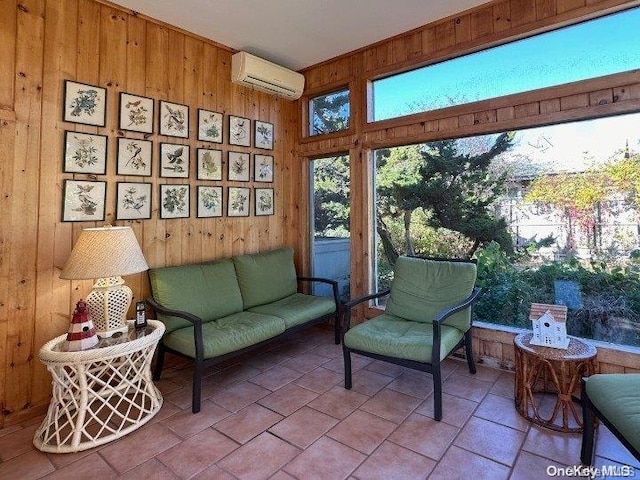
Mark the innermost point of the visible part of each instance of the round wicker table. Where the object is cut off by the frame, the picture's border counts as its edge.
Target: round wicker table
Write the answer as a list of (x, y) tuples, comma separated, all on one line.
[(99, 394), (547, 378)]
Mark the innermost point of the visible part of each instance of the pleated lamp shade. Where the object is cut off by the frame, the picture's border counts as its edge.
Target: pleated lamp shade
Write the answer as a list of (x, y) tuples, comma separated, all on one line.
[(106, 254)]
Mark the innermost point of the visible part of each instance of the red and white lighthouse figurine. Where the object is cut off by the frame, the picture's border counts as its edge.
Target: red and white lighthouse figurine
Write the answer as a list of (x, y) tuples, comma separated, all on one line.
[(82, 333)]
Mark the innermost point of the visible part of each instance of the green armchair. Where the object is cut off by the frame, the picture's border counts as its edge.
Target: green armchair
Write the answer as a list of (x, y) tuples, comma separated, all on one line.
[(427, 317), (614, 398)]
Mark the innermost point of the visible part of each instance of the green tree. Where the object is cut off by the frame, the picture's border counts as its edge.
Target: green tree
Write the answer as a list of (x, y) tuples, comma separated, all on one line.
[(331, 196), (452, 183), (330, 113)]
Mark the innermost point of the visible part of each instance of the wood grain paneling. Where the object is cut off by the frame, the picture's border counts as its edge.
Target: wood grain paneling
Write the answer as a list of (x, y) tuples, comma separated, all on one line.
[(42, 43)]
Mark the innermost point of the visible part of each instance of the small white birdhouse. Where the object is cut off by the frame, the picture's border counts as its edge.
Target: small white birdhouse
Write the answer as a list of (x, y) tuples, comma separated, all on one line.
[(549, 325)]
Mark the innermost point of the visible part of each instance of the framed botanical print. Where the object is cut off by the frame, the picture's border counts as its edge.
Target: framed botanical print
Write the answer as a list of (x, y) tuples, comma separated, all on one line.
[(264, 135), (239, 131), (136, 113), (134, 157), (85, 153), (174, 201), (174, 160), (264, 201), (238, 201), (133, 201), (209, 201), (209, 126), (84, 103), (263, 168), (83, 201), (238, 167), (174, 119), (209, 164)]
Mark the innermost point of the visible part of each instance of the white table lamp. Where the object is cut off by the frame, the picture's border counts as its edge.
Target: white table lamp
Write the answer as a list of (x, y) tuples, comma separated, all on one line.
[(106, 254)]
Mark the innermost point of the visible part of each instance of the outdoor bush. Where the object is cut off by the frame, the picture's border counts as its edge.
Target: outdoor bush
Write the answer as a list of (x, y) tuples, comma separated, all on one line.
[(610, 294)]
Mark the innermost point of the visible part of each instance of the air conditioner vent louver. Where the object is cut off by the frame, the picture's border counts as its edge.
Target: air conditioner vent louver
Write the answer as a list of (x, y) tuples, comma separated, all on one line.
[(249, 70)]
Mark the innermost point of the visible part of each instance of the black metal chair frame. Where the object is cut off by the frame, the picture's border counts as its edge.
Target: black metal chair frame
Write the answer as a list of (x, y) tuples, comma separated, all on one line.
[(434, 367), (589, 415), (201, 362)]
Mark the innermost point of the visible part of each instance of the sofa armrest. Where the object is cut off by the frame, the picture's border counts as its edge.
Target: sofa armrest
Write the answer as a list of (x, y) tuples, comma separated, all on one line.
[(333, 283), (190, 317)]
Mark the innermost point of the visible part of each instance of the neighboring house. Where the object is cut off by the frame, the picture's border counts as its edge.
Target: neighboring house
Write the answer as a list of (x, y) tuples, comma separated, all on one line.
[(611, 230)]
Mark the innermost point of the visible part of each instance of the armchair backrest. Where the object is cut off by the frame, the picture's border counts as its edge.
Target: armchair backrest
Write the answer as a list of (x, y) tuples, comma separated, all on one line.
[(422, 288)]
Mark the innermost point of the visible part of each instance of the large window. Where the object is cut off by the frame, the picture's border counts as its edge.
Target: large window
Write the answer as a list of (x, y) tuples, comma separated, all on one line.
[(329, 113), (591, 49), (551, 213)]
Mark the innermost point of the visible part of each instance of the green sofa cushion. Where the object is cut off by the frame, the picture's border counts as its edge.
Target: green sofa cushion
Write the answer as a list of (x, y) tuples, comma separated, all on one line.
[(266, 277), (399, 338), (298, 308), (226, 334), (617, 396), (208, 290), (423, 288)]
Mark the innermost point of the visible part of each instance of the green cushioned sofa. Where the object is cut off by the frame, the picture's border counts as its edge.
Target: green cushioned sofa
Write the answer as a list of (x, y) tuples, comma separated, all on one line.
[(214, 311), (614, 398)]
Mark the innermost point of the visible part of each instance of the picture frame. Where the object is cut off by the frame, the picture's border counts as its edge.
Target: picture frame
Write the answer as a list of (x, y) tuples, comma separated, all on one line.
[(174, 201), (174, 160), (209, 164), (238, 200), (83, 201), (238, 167), (264, 201), (210, 201), (133, 200), (263, 135), (174, 119), (210, 126), (239, 131), (263, 168), (136, 113), (85, 153), (134, 157), (84, 103)]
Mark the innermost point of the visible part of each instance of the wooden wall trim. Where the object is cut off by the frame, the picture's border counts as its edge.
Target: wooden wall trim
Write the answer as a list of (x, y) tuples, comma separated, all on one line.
[(625, 79)]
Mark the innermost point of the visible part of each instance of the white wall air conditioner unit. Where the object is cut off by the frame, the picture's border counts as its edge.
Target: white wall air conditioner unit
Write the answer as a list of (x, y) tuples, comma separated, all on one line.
[(252, 71)]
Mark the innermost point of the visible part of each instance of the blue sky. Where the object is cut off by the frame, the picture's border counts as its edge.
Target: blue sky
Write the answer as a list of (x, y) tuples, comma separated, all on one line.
[(599, 47)]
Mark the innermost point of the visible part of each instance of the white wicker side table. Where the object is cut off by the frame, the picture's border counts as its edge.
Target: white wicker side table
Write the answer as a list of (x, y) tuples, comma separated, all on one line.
[(99, 394)]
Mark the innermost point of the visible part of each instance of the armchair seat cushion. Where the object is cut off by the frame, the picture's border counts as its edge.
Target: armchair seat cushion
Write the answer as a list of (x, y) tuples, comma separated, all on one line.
[(227, 334), (617, 396), (396, 337), (298, 308)]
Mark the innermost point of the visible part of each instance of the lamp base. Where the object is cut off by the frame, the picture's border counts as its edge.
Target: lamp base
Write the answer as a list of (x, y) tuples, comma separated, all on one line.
[(108, 304)]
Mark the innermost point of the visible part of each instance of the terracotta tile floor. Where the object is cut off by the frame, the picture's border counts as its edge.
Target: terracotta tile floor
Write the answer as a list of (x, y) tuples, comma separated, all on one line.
[(282, 413)]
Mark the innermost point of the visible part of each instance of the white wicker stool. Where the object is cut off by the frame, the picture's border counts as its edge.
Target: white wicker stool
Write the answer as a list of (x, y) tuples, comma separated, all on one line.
[(100, 394)]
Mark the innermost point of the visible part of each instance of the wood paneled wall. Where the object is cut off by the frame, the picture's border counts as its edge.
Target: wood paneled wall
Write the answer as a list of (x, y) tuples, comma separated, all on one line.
[(487, 25), (42, 43)]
